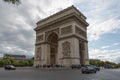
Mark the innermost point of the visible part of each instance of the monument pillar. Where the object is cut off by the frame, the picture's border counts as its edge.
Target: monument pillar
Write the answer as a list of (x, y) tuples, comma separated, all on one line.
[(69, 51), (86, 56)]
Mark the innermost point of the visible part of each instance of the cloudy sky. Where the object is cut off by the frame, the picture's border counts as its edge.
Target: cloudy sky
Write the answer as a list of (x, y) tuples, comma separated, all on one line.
[(18, 21)]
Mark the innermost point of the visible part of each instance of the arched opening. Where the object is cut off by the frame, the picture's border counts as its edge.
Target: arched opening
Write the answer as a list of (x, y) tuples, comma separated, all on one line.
[(53, 41), (81, 48)]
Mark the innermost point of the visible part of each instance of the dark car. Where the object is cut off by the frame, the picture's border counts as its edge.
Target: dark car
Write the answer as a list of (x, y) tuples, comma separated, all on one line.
[(108, 66), (88, 69), (9, 67), (97, 68), (76, 66)]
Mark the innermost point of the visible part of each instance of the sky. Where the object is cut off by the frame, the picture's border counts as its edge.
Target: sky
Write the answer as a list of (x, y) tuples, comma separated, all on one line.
[(17, 23)]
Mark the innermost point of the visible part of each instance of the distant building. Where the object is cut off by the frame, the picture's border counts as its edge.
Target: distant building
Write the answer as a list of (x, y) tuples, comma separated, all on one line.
[(95, 59), (16, 57)]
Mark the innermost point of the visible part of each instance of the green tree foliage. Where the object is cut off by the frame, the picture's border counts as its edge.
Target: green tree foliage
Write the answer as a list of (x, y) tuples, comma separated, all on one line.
[(111, 63), (95, 62), (13, 1), (102, 63), (23, 63), (9, 61), (30, 62), (118, 65)]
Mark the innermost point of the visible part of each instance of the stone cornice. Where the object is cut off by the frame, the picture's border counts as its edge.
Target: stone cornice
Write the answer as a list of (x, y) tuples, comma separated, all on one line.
[(73, 35), (69, 58), (62, 18), (53, 22), (84, 40), (60, 12), (72, 11), (40, 43)]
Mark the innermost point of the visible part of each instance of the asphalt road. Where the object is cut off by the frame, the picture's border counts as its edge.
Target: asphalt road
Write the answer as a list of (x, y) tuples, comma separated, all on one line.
[(57, 74)]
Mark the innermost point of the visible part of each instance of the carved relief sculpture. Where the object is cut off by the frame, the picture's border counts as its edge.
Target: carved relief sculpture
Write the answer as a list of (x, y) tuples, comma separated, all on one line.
[(38, 55), (80, 32), (66, 30), (66, 49), (39, 38)]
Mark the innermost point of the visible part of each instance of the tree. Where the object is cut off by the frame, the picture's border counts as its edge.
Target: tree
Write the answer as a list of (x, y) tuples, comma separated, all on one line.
[(10, 61), (30, 61), (7, 61), (95, 62), (13, 1), (118, 65)]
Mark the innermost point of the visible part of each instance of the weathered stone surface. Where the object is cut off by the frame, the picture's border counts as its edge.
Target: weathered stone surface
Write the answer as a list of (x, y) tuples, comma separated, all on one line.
[(62, 39)]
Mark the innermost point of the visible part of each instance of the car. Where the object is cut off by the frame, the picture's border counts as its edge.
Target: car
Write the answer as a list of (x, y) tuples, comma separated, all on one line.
[(97, 68), (75, 66), (108, 66), (88, 69), (9, 67)]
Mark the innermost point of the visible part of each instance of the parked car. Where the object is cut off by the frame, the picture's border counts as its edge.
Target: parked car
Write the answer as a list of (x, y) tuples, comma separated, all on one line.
[(9, 67), (88, 69), (96, 67), (76, 66), (108, 66)]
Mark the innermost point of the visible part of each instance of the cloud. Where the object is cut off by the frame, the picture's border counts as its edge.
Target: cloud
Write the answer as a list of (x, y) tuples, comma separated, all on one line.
[(103, 47), (106, 52), (45, 8), (17, 23), (96, 30), (115, 44), (105, 55), (103, 18), (16, 30), (110, 46)]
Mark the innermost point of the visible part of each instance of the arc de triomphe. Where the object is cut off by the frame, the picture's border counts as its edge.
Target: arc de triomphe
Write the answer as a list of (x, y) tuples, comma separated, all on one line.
[(62, 39)]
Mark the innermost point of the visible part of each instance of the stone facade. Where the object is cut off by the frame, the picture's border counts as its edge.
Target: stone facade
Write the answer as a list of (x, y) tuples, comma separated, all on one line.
[(66, 49), (62, 39)]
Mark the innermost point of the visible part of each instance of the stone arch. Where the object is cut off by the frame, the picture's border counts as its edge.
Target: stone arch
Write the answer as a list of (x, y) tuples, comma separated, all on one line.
[(50, 33), (52, 40)]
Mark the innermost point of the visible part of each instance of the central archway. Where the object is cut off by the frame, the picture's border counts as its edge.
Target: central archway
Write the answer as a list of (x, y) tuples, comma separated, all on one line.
[(53, 41)]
